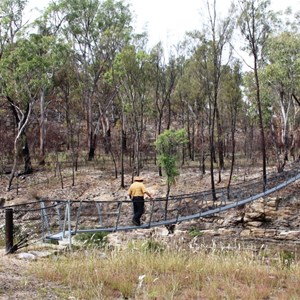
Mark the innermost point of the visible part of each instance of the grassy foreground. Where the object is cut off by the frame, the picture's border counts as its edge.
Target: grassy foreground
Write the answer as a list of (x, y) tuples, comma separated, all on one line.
[(147, 270)]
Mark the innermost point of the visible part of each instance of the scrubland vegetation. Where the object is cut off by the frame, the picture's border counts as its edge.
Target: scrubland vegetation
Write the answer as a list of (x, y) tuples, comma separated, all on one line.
[(149, 270)]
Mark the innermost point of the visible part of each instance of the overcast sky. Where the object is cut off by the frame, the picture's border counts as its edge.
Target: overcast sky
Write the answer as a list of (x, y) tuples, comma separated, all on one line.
[(168, 20)]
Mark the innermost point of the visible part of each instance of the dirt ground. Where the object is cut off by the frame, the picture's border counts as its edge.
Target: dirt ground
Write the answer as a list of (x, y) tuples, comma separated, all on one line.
[(16, 282)]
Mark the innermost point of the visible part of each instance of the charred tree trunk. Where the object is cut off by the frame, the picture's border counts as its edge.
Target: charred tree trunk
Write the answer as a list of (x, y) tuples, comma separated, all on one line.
[(107, 141), (124, 140), (220, 144), (202, 143), (158, 133), (123, 149), (92, 148), (212, 150), (233, 128), (26, 155), (261, 124)]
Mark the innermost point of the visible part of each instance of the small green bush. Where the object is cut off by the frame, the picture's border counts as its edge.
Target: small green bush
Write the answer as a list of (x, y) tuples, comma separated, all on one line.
[(195, 232), (152, 246), (287, 257)]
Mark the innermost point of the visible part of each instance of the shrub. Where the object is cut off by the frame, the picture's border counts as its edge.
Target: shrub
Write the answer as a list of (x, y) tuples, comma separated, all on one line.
[(195, 232)]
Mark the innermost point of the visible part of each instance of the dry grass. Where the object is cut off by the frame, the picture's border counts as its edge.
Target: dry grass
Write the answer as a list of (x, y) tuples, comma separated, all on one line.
[(147, 271)]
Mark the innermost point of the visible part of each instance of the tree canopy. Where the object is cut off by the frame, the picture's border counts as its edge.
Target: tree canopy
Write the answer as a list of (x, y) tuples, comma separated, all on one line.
[(80, 80)]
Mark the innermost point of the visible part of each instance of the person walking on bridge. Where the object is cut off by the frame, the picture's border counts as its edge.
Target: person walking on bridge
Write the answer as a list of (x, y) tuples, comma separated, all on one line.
[(136, 193)]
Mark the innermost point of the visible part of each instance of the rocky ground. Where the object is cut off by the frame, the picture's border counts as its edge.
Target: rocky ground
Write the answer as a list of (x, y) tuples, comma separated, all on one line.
[(17, 283), (268, 221)]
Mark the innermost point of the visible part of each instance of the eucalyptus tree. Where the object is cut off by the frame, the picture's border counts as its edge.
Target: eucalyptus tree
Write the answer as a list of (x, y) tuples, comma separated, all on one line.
[(212, 42), (131, 70), (193, 99), (232, 99), (11, 24), (255, 23), (219, 32), (23, 72), (184, 97), (280, 79), (97, 31), (164, 77), (66, 92), (11, 21)]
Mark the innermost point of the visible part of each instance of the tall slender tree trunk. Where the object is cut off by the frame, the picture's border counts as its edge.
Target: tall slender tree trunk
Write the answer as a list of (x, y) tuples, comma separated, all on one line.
[(26, 155), (122, 149), (202, 143), (167, 199), (159, 126), (91, 135), (261, 124), (20, 137), (190, 137), (42, 128), (220, 144), (20, 140), (232, 162), (92, 146), (233, 127), (212, 151), (169, 114)]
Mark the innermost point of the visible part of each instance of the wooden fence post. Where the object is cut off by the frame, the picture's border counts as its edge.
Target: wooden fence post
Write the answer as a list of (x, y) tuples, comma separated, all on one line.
[(9, 234)]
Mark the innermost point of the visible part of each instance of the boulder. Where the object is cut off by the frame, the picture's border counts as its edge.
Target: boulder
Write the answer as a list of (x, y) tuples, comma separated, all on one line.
[(257, 216), (254, 224), (26, 256), (271, 233), (245, 233), (273, 203), (257, 232), (290, 235)]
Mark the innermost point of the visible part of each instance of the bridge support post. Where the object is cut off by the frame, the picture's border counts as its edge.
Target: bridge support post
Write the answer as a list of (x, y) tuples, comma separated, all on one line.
[(69, 224), (9, 234)]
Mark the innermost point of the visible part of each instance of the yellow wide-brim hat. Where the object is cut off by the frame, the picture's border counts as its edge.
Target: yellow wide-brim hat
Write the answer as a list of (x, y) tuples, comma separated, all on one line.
[(138, 178)]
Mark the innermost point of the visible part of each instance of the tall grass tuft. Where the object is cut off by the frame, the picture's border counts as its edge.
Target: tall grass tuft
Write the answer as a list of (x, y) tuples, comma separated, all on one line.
[(147, 270)]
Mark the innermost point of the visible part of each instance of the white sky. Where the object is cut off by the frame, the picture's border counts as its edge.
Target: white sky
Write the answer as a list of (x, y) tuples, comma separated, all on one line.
[(168, 20)]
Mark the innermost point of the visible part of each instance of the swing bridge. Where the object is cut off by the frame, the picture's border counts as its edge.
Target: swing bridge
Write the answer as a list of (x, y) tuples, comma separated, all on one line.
[(61, 219)]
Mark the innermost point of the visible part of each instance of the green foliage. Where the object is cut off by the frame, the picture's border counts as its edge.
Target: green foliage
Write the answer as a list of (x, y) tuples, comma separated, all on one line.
[(265, 98), (287, 258), (195, 232), (98, 239), (27, 66), (256, 21), (168, 145), (281, 73), (131, 73), (97, 26), (152, 246), (11, 20)]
